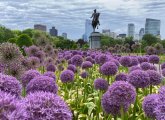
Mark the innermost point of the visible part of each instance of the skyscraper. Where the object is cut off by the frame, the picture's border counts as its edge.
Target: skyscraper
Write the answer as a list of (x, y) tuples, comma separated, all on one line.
[(106, 32), (131, 30), (141, 33), (40, 27), (152, 26), (88, 29), (53, 31), (64, 35)]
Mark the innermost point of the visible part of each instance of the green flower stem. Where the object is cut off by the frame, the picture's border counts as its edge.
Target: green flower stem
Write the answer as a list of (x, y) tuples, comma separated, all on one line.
[(23, 92), (135, 105), (150, 89)]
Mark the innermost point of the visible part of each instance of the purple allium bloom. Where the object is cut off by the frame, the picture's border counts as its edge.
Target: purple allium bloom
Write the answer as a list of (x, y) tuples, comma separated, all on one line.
[(84, 74), (67, 76), (101, 84), (2, 67), (121, 77), (34, 62), (46, 106), (109, 68), (11, 108), (125, 61), (86, 65), (154, 59), (139, 78), (77, 60), (89, 58), (163, 72), (50, 74), (160, 111), (72, 68), (10, 85), (163, 66), (115, 61), (134, 61), (149, 104), (103, 59), (134, 68), (155, 77), (51, 68), (145, 66), (162, 90), (28, 76), (153, 67), (32, 50), (42, 83), (142, 59)]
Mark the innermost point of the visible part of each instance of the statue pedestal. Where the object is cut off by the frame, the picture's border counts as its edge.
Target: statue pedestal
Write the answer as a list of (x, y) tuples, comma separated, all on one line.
[(94, 40)]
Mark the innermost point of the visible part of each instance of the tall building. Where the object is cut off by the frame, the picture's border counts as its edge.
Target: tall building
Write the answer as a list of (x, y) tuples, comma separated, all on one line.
[(64, 35), (152, 26), (131, 30), (40, 27), (122, 35), (88, 29), (53, 32), (141, 33), (106, 32), (113, 35)]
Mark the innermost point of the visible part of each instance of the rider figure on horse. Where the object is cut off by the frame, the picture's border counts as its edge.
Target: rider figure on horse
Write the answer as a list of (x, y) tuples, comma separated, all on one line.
[(95, 21)]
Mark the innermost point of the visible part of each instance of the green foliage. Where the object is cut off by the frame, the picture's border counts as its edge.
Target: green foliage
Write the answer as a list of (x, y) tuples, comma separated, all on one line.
[(12, 40), (28, 32), (163, 43), (149, 39), (24, 40)]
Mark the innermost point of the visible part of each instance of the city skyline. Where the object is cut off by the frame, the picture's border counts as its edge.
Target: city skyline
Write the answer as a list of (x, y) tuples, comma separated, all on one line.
[(69, 16)]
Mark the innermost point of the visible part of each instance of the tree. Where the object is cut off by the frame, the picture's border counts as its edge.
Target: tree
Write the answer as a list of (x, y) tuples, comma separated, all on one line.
[(12, 40), (5, 34), (29, 32), (150, 39), (24, 40)]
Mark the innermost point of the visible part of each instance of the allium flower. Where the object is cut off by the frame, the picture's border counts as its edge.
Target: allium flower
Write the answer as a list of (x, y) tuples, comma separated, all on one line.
[(134, 61), (46, 106), (48, 48), (102, 59), (153, 67), (159, 111), (149, 104), (163, 66), (51, 68), (125, 61), (163, 72), (121, 77), (109, 68), (101, 84), (42, 83), (84, 74), (154, 59), (145, 66), (32, 50), (89, 58), (162, 91), (11, 108), (72, 68), (134, 68), (139, 78), (28, 76), (115, 61), (34, 62), (86, 65), (10, 85), (77, 60), (67, 76), (50, 74), (49, 61), (155, 77), (142, 59), (2, 67)]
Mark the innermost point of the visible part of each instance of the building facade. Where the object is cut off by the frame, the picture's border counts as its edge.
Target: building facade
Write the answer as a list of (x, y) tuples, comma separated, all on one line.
[(88, 29), (53, 31), (122, 35), (106, 32), (131, 30), (64, 35), (40, 27), (152, 26), (113, 35), (141, 33)]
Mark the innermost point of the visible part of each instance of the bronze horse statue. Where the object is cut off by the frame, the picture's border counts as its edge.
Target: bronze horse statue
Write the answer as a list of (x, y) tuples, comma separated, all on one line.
[(95, 21)]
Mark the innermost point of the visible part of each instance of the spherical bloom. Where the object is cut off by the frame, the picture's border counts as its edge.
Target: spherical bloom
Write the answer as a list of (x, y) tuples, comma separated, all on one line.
[(50, 74), (42, 83), (142, 59), (77, 60), (102, 59), (86, 65), (125, 61), (109, 68), (32, 50), (154, 59), (155, 77), (67, 76), (149, 104), (121, 77), (51, 68), (163, 66), (11, 108), (46, 106), (115, 61), (72, 68), (101, 84), (162, 91), (145, 66), (163, 72), (153, 67), (159, 111), (89, 58), (28, 76), (134, 61), (34, 62), (10, 85), (139, 78), (84, 74), (2, 67), (134, 68)]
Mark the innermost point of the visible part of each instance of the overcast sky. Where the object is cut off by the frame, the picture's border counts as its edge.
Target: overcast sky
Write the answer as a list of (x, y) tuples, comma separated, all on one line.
[(69, 15)]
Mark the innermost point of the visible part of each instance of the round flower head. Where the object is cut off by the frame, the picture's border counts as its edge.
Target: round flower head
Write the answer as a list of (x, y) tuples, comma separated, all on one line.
[(10, 85), (28, 76), (125, 61), (101, 84), (72, 68), (139, 78), (149, 104), (162, 91), (84, 74), (134, 68), (2, 67), (86, 65), (89, 58), (154, 59), (77, 60), (155, 77), (102, 59), (46, 106), (32, 50), (51, 68), (34, 62), (163, 72), (109, 68), (163, 66), (67, 76), (153, 67), (134, 61), (11, 108), (115, 61), (42, 83), (50, 74), (145, 66), (159, 111), (121, 77)]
